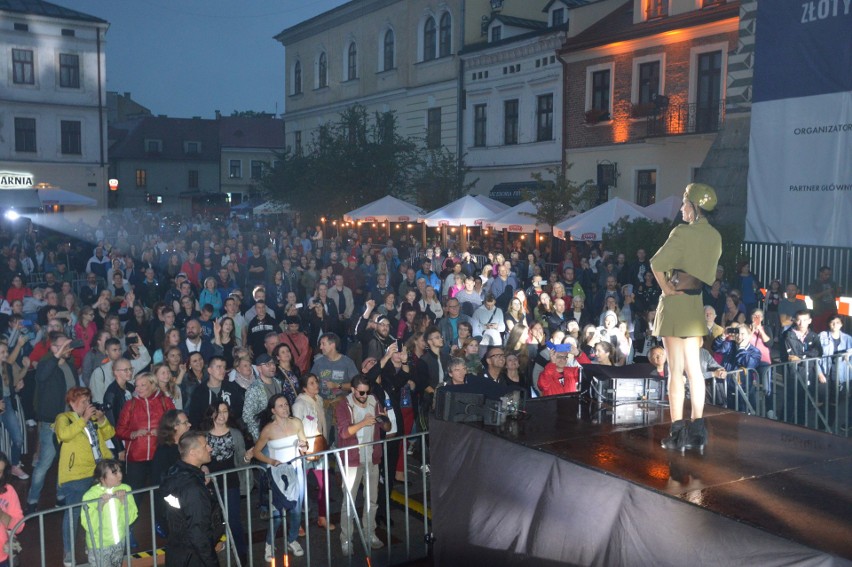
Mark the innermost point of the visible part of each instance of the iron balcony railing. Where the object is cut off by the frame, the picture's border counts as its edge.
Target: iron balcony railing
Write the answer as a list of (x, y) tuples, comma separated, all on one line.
[(691, 118)]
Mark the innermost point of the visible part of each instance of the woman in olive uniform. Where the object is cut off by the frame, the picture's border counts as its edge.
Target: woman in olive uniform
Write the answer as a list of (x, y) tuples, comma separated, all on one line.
[(686, 261)]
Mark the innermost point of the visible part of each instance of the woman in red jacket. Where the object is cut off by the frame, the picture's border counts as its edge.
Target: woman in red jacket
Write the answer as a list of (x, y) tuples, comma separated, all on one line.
[(137, 427)]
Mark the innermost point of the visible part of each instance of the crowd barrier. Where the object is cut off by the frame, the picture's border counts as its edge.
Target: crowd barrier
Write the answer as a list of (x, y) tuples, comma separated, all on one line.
[(401, 543), (791, 392)]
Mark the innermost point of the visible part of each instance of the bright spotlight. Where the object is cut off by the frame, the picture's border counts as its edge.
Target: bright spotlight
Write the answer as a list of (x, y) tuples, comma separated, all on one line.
[(12, 215)]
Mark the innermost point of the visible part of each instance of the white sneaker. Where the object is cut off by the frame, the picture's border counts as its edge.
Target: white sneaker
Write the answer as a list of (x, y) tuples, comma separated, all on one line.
[(267, 552), (376, 543), (296, 549), (346, 548), (18, 472), (67, 561), (31, 423)]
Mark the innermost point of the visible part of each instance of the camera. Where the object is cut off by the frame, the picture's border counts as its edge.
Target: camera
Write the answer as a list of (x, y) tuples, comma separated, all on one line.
[(732, 331), (101, 406)]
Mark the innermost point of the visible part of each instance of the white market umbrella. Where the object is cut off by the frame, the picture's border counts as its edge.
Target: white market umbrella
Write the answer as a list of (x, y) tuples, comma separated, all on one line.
[(591, 224), (667, 209), (518, 219), (386, 209), (467, 211)]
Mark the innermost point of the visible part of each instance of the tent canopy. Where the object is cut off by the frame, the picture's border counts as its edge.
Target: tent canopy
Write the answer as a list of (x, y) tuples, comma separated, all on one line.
[(667, 209), (270, 208), (591, 224), (386, 209), (518, 219), (467, 211)]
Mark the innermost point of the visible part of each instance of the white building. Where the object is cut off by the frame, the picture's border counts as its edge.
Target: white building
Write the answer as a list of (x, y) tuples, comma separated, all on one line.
[(513, 107), (53, 123), (387, 55)]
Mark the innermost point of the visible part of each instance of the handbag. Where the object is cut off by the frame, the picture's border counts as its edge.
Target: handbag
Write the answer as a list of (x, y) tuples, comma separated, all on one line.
[(316, 444), (687, 283)]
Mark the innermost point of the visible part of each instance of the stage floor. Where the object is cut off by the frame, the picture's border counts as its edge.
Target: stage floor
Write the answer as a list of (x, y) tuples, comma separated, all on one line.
[(785, 480)]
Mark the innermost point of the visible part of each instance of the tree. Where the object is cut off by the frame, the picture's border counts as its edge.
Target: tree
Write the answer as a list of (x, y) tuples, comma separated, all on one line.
[(440, 179), (627, 236), (555, 199), (251, 114), (358, 159)]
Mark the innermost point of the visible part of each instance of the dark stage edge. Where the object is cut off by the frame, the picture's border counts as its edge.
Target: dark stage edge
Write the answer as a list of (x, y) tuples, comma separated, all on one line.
[(568, 486)]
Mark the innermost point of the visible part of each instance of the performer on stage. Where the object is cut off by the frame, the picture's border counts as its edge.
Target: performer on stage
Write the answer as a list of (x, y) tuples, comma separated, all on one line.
[(688, 258)]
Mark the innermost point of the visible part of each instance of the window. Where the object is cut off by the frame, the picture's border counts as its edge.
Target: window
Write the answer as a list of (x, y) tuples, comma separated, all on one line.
[(192, 182), (544, 117), (433, 128), (21, 27), (235, 169), (141, 178), (192, 148), (646, 187), (445, 35), (600, 90), (69, 71), (429, 39), (649, 81), (71, 137), (388, 50), (510, 122), (153, 146), (25, 135), (68, 32), (352, 62), (496, 33), (322, 71), (480, 123), (256, 169), (557, 17), (297, 78), (297, 142), (656, 9), (23, 70)]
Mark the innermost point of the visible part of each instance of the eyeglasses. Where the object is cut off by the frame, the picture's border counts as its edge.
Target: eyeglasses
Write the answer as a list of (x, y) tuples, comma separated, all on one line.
[(362, 392), (182, 422), (497, 356)]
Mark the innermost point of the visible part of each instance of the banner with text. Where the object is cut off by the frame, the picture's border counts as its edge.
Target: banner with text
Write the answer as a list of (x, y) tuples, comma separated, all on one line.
[(800, 148)]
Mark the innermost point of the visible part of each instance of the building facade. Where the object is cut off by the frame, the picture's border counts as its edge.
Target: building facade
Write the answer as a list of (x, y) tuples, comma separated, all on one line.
[(249, 147), (645, 91), (387, 55), (53, 97)]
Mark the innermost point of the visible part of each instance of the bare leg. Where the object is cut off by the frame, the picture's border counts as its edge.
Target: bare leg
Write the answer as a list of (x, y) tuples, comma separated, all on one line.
[(677, 392), (692, 359)]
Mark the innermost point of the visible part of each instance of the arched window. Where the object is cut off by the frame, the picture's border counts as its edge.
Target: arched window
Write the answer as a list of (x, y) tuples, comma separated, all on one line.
[(388, 50), (297, 78), (445, 36), (429, 39), (322, 71), (352, 62)]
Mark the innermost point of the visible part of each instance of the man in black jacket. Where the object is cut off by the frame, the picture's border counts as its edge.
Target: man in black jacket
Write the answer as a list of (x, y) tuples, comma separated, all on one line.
[(189, 506), (54, 377), (216, 389)]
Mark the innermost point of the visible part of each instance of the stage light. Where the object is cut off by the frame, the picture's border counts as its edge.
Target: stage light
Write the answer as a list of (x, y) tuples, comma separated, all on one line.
[(12, 215)]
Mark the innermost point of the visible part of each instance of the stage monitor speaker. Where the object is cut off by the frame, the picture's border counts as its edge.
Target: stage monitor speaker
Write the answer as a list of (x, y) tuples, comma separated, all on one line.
[(630, 389), (458, 406), (492, 413)]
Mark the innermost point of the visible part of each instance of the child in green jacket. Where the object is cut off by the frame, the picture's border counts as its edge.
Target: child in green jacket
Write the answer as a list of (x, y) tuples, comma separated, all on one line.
[(108, 511)]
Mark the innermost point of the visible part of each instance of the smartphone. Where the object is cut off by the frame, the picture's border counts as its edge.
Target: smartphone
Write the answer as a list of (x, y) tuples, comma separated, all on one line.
[(399, 345), (299, 306), (132, 340), (77, 344)]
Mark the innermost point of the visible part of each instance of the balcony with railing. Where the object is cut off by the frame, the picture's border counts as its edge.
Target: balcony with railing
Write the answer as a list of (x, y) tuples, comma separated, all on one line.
[(686, 118)]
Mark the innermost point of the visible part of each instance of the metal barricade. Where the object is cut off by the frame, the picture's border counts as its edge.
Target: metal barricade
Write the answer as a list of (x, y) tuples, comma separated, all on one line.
[(792, 392), (332, 462)]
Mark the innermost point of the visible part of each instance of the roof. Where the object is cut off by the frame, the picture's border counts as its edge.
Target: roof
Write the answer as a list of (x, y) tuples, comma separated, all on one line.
[(173, 132), (520, 22), (40, 8), (619, 26), (568, 3), (248, 132)]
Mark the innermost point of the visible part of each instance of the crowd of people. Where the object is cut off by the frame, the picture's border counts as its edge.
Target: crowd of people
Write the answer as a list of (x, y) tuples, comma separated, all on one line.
[(150, 350)]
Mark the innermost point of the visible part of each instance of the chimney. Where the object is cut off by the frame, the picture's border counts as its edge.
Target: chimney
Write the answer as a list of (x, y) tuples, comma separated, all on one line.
[(218, 115)]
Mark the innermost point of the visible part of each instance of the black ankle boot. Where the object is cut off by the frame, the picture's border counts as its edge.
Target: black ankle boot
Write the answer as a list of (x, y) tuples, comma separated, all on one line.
[(696, 437), (676, 441)]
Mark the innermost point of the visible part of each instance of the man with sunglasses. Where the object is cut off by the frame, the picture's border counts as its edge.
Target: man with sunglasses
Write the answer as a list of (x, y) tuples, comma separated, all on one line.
[(359, 419)]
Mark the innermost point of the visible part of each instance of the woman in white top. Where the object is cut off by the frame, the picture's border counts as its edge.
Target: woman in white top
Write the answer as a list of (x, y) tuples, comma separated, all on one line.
[(309, 409), (282, 439)]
